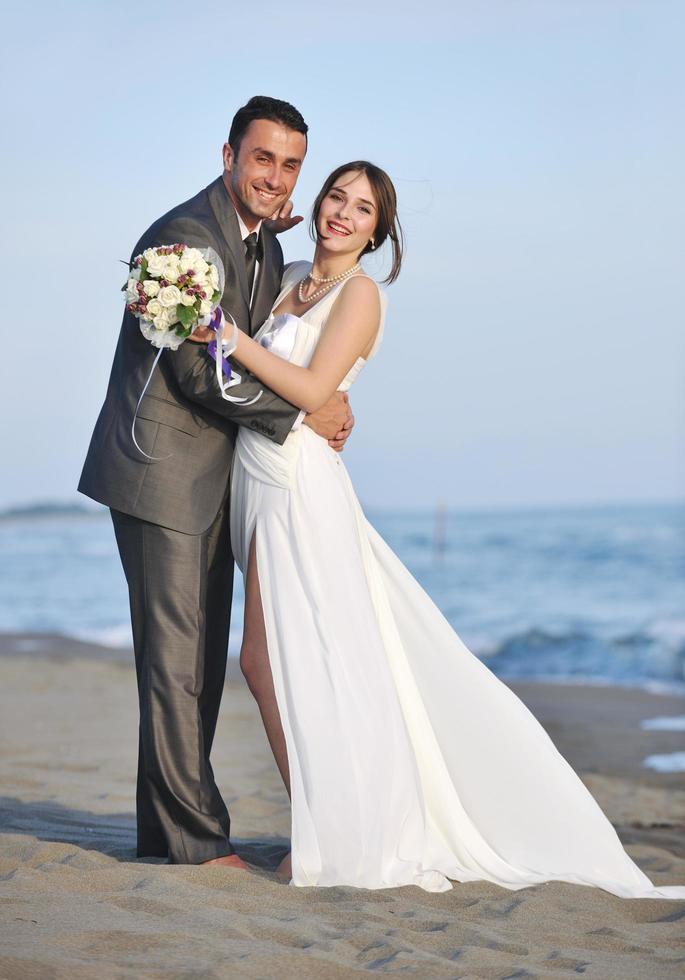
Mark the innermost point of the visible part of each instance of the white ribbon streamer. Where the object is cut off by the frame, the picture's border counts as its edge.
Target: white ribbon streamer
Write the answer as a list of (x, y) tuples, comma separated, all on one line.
[(135, 414), (235, 377), (223, 386)]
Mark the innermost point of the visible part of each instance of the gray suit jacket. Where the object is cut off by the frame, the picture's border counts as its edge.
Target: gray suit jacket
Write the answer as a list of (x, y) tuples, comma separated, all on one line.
[(183, 416)]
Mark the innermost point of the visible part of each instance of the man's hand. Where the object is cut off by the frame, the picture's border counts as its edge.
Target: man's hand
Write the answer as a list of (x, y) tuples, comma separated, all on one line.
[(283, 219), (334, 421), (338, 443)]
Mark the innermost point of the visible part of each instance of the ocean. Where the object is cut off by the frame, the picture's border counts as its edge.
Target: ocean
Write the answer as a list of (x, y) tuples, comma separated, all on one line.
[(594, 594)]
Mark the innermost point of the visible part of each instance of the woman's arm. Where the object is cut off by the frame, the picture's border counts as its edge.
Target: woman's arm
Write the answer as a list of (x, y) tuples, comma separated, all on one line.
[(349, 333)]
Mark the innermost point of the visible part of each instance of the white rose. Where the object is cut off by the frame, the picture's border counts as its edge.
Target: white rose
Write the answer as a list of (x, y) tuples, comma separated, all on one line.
[(205, 307), (190, 259), (198, 266), (169, 296), (213, 277), (165, 319), (171, 268), (154, 309), (187, 299), (155, 263), (151, 287), (132, 291)]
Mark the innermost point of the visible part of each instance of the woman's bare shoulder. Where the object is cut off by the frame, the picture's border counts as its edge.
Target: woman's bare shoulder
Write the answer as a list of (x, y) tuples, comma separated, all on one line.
[(359, 306), (361, 289)]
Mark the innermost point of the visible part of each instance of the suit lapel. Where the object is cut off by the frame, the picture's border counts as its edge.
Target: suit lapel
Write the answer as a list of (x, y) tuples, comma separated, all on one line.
[(267, 280), (224, 212)]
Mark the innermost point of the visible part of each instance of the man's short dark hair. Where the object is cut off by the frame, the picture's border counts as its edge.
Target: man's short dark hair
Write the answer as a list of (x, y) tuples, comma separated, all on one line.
[(263, 107)]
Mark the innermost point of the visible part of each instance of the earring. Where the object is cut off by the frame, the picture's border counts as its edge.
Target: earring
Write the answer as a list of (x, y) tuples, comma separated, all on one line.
[(372, 244)]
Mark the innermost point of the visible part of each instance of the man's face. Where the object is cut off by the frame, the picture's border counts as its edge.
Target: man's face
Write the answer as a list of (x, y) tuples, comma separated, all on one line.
[(261, 178)]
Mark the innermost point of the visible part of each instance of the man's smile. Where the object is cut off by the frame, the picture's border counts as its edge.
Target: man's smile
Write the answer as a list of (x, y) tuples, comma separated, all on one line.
[(265, 195)]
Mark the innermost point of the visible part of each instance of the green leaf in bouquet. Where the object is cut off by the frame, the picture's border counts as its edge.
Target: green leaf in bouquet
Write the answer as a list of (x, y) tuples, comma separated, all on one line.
[(216, 296), (143, 270), (187, 315)]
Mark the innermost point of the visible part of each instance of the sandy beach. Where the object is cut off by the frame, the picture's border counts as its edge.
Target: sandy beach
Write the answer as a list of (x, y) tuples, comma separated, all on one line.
[(77, 904)]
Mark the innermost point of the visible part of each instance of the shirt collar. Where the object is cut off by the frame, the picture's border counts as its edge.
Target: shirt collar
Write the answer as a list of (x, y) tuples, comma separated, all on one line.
[(243, 227)]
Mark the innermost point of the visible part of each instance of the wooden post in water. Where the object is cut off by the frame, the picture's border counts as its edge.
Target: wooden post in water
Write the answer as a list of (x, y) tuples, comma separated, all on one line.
[(440, 531)]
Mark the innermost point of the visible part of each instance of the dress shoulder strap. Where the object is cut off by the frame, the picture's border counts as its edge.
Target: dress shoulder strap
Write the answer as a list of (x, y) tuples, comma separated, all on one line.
[(295, 271), (292, 273)]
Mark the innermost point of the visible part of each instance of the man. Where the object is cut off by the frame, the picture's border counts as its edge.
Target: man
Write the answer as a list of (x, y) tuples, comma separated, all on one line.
[(171, 512)]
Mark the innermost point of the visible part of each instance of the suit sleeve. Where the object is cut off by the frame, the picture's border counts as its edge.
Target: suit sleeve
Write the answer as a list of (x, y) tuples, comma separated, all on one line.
[(195, 372)]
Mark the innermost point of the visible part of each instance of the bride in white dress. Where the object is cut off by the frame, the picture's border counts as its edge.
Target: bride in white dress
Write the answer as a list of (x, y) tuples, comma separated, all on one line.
[(407, 761)]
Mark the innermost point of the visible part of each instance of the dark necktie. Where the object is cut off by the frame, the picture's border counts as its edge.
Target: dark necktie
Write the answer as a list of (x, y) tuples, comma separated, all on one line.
[(251, 256)]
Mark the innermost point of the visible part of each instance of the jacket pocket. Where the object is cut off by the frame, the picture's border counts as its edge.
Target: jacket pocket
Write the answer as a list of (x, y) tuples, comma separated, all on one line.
[(156, 409)]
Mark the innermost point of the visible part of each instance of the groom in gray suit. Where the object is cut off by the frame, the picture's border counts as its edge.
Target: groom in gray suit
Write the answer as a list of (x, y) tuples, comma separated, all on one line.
[(171, 513)]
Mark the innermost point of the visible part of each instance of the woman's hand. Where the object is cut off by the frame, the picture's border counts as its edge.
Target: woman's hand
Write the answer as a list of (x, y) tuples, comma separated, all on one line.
[(201, 335)]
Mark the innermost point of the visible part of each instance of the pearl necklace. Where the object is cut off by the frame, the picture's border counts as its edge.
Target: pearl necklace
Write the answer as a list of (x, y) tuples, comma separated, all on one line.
[(328, 280), (333, 278)]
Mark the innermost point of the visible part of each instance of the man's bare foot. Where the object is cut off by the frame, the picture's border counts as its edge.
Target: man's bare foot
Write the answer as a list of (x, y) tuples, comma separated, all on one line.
[(285, 868), (230, 861)]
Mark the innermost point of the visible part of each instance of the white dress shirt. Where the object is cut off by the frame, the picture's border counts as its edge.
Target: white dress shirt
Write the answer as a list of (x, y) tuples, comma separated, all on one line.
[(244, 232)]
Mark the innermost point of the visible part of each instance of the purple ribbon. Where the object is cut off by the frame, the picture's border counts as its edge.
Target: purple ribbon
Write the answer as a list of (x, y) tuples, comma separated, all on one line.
[(212, 346)]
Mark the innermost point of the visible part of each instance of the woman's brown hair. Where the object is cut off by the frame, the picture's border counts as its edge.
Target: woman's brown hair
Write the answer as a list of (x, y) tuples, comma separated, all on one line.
[(387, 223)]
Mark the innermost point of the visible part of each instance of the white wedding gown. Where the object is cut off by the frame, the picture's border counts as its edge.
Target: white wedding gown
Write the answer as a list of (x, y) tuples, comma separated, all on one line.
[(410, 762)]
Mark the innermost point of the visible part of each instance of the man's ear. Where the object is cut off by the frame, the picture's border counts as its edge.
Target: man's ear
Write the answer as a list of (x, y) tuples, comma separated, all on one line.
[(228, 157)]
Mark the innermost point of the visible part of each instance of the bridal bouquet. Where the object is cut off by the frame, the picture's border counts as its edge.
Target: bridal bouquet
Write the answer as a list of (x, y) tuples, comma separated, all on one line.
[(171, 289)]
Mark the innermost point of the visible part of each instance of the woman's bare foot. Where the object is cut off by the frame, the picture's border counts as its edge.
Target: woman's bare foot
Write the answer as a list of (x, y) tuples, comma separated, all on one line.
[(285, 868), (231, 861)]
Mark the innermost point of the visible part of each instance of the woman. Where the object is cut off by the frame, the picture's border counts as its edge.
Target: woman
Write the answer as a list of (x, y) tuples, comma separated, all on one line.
[(407, 761)]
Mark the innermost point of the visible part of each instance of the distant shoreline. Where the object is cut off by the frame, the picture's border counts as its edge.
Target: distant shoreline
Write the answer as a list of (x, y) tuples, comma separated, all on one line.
[(51, 510), (74, 509)]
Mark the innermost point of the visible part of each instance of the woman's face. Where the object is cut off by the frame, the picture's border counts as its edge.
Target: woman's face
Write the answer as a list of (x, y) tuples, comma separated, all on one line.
[(348, 215)]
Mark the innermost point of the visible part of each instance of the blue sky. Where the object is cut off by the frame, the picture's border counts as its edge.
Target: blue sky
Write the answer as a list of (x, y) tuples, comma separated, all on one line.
[(534, 346)]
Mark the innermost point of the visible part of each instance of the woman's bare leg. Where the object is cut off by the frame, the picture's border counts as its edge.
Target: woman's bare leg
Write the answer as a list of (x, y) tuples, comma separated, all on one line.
[(254, 663)]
